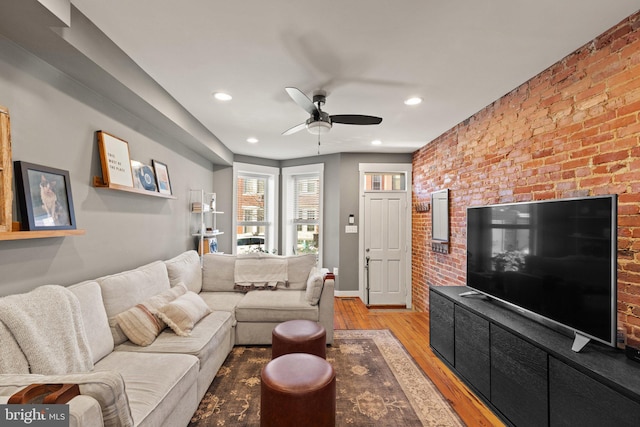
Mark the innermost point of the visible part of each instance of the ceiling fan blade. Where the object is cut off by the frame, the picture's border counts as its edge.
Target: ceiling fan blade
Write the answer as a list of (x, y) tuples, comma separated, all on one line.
[(302, 100), (355, 119), (296, 128)]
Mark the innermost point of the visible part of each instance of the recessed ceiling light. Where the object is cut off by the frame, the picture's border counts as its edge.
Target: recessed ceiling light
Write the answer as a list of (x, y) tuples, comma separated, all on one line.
[(413, 101), (221, 96), (376, 142), (252, 140)]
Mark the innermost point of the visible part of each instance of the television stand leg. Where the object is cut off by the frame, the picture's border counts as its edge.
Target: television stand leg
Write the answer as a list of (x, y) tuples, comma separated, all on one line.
[(579, 342)]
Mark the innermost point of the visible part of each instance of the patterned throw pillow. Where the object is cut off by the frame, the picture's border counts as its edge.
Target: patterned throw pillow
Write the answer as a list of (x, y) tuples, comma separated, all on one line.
[(184, 312), (140, 323)]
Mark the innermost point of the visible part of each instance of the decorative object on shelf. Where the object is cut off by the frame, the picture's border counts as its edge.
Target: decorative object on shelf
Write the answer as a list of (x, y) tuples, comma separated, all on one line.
[(44, 197), (212, 204), (115, 160), (162, 177), (204, 220), (213, 244), (143, 176), (6, 174)]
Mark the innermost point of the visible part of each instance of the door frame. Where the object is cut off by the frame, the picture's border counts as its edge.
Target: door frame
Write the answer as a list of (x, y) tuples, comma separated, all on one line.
[(405, 168)]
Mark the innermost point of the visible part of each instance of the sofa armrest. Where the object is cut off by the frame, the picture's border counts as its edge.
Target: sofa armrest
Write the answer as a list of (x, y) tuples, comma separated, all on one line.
[(48, 393), (83, 411), (325, 306), (106, 387)]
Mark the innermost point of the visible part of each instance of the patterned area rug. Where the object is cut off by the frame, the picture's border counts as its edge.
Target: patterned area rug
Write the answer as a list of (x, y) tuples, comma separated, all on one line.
[(377, 384)]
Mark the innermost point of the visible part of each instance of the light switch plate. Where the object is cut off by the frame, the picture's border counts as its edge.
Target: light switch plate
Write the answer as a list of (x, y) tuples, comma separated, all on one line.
[(350, 228)]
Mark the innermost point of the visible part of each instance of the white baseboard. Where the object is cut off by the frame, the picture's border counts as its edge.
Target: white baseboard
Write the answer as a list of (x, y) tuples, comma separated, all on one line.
[(346, 293)]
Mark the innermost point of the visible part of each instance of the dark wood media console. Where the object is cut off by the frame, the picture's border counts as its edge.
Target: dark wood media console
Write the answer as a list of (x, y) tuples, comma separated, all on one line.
[(526, 372)]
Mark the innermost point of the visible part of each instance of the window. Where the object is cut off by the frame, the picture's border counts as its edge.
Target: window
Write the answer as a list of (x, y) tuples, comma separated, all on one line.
[(385, 181), (255, 228), (302, 204)]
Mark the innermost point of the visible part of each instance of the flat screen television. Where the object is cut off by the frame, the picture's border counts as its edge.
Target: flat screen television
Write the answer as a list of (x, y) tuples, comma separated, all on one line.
[(554, 261)]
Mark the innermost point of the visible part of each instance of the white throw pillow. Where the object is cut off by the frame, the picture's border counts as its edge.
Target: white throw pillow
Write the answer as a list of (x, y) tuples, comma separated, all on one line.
[(315, 282)]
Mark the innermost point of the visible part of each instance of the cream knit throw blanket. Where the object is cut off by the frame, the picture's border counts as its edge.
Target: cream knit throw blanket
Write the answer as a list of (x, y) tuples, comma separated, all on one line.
[(47, 325)]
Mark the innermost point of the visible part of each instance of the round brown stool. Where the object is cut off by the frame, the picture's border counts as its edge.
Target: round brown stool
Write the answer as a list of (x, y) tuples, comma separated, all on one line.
[(298, 389), (299, 336)]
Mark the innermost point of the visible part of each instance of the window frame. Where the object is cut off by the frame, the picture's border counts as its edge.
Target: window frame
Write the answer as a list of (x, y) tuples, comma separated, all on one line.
[(271, 203), (289, 176)]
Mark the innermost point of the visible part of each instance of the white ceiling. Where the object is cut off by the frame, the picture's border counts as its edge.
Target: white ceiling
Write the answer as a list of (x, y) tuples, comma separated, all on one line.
[(369, 55)]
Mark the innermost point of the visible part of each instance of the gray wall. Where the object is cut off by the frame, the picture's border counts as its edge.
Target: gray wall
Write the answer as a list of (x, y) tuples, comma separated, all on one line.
[(54, 120), (53, 123), (349, 204)]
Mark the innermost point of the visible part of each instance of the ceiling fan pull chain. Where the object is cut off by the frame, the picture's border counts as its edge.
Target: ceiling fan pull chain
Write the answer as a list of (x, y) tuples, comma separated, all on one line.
[(318, 144)]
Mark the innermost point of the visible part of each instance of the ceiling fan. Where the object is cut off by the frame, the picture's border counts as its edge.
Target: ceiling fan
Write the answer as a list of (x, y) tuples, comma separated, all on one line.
[(320, 122)]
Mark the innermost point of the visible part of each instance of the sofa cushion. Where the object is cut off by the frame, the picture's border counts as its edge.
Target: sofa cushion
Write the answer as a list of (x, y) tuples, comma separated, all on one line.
[(155, 382), (122, 291), (94, 318), (218, 272), (207, 337), (298, 270), (314, 286), (140, 323), (185, 268), (184, 312), (223, 301), (280, 306)]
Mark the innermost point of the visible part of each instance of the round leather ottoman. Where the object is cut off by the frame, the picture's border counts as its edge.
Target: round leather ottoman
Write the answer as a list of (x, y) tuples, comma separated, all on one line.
[(299, 336), (298, 389)]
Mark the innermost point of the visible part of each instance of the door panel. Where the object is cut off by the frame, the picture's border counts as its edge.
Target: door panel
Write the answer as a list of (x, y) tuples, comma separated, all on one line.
[(384, 234)]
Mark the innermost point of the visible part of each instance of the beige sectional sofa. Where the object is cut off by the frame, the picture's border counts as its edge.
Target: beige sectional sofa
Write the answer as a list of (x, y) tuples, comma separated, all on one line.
[(162, 383)]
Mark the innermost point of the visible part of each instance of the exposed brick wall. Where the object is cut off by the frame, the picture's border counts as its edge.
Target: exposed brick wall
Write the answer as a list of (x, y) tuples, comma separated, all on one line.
[(573, 130)]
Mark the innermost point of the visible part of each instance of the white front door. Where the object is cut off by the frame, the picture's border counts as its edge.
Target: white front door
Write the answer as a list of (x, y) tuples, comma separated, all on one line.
[(385, 248)]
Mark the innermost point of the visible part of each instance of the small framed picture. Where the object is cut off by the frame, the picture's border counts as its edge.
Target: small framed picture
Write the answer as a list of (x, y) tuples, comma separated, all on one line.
[(44, 197), (115, 160), (162, 177), (143, 176)]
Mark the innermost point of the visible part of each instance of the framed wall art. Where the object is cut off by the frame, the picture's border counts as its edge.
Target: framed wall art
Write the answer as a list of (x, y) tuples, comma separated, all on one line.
[(6, 174), (115, 160), (162, 177), (44, 197), (143, 176)]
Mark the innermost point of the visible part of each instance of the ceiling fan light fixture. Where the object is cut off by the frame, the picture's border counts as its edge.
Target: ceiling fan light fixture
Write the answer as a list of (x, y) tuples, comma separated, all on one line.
[(318, 127)]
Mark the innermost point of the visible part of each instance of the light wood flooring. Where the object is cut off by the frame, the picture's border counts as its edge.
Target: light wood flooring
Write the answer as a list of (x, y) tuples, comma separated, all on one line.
[(412, 329)]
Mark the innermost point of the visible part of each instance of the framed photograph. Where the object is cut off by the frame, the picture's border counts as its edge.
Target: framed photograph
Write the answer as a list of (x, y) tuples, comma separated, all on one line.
[(162, 177), (143, 176), (115, 160), (44, 197)]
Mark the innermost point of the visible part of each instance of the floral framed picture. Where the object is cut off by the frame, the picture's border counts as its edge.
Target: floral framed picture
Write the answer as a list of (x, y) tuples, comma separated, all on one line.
[(162, 177), (44, 197)]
